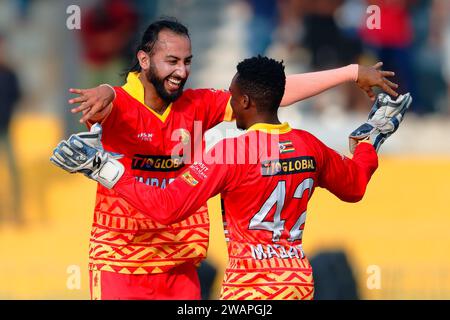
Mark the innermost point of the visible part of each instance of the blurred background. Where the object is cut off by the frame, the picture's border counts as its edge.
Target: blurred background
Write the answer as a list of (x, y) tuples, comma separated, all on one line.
[(395, 244)]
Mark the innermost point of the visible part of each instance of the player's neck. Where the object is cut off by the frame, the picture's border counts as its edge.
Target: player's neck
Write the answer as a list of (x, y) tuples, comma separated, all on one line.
[(151, 96), (264, 118)]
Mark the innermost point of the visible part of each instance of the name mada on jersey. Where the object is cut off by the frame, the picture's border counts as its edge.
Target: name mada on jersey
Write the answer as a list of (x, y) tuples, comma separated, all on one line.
[(268, 251), (288, 166), (156, 182)]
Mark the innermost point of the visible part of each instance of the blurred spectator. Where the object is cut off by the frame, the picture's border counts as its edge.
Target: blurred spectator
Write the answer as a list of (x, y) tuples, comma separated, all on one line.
[(9, 97), (147, 12), (290, 23), (427, 59), (107, 31), (392, 43), (261, 26), (349, 16), (24, 8), (333, 276), (329, 46), (207, 273), (440, 38)]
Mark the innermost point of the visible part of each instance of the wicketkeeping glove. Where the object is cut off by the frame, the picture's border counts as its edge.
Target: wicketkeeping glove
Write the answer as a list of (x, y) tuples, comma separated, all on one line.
[(83, 152), (384, 119)]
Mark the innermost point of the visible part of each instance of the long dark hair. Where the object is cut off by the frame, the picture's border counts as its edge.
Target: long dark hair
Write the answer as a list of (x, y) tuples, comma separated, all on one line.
[(150, 36)]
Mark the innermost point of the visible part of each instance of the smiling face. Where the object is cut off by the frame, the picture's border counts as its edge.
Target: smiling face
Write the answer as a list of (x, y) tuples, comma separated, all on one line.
[(168, 65)]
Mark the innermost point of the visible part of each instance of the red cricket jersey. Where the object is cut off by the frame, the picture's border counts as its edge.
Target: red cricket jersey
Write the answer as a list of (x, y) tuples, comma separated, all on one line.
[(123, 239), (265, 196)]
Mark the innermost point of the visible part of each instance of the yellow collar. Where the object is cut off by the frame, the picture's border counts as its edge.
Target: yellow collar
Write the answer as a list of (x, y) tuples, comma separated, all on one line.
[(265, 127), (135, 88)]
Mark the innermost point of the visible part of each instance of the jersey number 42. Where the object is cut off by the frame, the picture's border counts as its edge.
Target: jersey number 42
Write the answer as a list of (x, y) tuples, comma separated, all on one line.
[(278, 197)]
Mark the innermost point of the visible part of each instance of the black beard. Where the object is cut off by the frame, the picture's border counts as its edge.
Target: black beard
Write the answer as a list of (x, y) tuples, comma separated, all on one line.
[(158, 83)]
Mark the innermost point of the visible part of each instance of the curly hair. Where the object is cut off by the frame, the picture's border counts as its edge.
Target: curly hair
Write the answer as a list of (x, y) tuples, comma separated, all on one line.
[(263, 80)]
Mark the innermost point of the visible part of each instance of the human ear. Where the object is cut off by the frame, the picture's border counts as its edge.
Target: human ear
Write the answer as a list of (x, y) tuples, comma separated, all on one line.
[(245, 101), (144, 59)]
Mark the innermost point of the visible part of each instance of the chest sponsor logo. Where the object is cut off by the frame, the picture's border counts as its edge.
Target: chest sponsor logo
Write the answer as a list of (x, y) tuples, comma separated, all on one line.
[(288, 166), (156, 163), (145, 136)]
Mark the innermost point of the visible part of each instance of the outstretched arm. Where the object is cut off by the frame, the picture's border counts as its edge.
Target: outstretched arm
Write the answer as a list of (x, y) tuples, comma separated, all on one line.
[(181, 198), (176, 202), (348, 178), (95, 103), (83, 153), (305, 85)]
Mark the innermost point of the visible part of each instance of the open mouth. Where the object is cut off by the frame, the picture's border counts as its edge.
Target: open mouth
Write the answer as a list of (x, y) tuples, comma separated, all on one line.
[(174, 83)]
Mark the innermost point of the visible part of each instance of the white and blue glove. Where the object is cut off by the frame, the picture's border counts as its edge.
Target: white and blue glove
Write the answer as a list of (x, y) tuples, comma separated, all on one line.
[(384, 119), (83, 152)]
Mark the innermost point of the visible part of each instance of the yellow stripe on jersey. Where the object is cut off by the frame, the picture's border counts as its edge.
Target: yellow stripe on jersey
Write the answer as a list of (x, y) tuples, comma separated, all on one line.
[(277, 128), (135, 88)]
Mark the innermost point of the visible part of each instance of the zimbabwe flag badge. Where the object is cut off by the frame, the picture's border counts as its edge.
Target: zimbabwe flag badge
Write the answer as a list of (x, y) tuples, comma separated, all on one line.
[(286, 146), (187, 176)]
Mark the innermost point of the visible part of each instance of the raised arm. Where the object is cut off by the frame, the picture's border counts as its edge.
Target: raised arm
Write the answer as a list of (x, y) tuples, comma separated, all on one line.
[(305, 85), (348, 178), (95, 103)]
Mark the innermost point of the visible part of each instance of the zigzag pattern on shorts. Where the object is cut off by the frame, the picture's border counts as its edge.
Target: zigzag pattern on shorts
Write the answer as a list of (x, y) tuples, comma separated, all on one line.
[(123, 240), (268, 285)]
